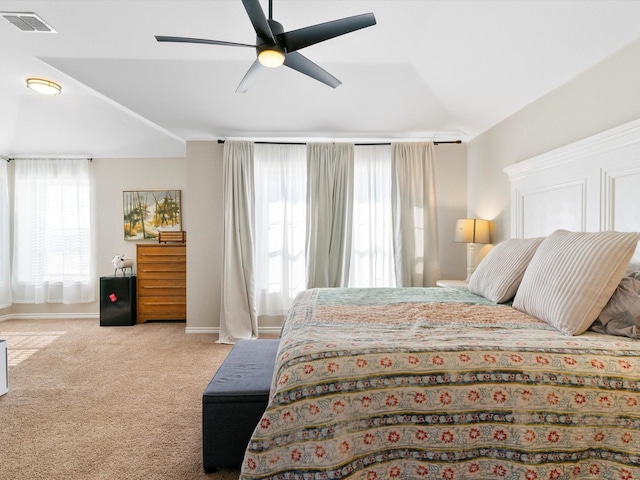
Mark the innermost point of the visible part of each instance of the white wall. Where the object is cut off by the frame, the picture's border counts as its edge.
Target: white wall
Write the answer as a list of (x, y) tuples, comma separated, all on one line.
[(601, 98)]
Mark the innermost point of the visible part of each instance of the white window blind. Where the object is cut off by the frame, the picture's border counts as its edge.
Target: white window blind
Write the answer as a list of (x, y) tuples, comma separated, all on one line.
[(5, 270), (52, 259)]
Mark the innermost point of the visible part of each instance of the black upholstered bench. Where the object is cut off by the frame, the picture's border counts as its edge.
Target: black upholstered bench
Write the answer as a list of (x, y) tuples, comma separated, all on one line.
[(234, 401)]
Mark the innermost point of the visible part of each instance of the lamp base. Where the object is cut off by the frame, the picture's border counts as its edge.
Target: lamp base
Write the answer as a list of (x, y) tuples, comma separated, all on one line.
[(470, 261)]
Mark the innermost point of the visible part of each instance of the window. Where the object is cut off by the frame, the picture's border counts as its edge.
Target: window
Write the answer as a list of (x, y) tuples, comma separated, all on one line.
[(5, 270), (280, 173), (52, 232), (372, 234)]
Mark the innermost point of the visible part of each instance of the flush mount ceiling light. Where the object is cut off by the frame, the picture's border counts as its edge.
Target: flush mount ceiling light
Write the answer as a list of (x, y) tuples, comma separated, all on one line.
[(42, 85)]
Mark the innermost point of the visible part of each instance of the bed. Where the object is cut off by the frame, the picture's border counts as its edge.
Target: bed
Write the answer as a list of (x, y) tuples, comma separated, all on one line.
[(505, 380), (393, 386)]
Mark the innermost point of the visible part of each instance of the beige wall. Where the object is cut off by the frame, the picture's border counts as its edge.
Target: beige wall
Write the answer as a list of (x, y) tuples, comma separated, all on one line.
[(601, 98), (451, 195), (205, 234)]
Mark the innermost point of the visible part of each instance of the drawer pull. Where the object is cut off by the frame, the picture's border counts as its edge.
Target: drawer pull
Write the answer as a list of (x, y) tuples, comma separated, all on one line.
[(164, 303), (159, 270), (151, 287)]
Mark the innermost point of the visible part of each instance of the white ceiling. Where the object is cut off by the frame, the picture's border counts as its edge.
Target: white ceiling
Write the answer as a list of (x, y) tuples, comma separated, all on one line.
[(429, 69)]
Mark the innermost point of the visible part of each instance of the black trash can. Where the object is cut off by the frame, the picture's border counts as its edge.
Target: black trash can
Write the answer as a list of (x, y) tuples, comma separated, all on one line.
[(118, 301)]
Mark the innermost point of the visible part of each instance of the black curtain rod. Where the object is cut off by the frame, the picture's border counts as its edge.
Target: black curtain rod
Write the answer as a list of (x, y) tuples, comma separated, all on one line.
[(12, 158), (357, 144)]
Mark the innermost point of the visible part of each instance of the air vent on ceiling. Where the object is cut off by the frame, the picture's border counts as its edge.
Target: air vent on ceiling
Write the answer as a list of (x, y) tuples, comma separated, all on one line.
[(27, 22)]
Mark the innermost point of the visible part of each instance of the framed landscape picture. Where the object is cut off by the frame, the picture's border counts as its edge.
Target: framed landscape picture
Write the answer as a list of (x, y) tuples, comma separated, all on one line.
[(147, 212)]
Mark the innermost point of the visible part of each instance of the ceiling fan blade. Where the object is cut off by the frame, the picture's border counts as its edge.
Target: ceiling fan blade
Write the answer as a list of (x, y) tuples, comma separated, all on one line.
[(251, 74), (302, 64), (161, 38), (258, 19), (303, 37)]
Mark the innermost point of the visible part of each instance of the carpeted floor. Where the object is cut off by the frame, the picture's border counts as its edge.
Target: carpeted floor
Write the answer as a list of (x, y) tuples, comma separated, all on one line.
[(91, 402)]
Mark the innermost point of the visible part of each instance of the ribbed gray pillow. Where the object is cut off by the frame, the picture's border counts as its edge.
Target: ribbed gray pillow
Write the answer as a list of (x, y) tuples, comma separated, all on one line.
[(572, 276), (621, 315), (499, 274)]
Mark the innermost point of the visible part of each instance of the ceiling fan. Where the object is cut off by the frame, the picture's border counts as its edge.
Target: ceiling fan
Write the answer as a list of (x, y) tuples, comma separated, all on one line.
[(275, 47)]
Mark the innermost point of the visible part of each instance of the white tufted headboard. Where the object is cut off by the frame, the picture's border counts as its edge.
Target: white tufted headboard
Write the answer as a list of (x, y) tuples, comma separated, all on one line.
[(591, 185)]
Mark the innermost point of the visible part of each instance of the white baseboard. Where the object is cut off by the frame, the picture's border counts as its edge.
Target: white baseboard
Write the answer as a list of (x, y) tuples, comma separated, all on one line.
[(47, 316), (96, 316), (270, 330), (216, 330)]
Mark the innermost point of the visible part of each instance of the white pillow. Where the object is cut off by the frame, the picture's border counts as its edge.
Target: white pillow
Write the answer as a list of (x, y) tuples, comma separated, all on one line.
[(572, 276), (499, 274)]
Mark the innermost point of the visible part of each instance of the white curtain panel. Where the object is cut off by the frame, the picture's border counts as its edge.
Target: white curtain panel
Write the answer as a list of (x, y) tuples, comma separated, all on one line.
[(329, 213), (238, 318), (280, 225), (372, 233), (5, 270), (52, 247), (415, 224)]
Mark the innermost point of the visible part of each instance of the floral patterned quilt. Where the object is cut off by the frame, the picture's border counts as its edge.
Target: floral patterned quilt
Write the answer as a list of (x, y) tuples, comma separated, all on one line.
[(442, 384)]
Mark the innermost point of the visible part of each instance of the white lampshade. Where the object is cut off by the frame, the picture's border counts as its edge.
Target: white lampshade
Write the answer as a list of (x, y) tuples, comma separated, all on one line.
[(473, 230)]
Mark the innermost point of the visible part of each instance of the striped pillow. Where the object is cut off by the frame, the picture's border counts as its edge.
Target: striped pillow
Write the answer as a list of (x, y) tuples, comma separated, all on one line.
[(499, 274), (572, 276)]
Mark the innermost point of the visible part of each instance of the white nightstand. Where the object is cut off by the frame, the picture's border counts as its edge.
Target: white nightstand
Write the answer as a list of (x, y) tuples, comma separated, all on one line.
[(452, 283)]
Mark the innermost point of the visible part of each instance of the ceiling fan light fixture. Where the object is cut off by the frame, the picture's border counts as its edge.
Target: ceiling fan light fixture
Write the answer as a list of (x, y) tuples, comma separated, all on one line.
[(271, 58), (44, 86)]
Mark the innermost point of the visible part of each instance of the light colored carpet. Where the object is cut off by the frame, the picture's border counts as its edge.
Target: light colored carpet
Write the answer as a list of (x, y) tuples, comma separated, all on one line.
[(91, 402)]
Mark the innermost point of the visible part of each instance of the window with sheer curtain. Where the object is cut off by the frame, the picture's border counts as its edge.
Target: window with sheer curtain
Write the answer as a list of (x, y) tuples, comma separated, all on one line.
[(280, 223), (372, 231), (52, 259), (5, 270)]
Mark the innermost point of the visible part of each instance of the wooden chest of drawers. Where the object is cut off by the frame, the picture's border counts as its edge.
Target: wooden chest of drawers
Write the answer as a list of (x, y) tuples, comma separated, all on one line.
[(162, 282)]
